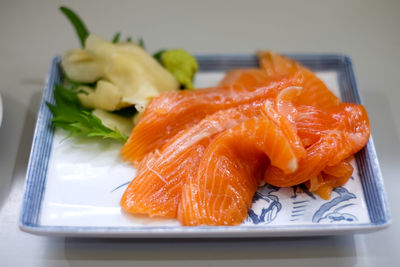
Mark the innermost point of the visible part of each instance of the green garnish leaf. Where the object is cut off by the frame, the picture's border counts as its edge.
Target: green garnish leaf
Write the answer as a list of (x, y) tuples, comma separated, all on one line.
[(157, 55), (141, 43), (78, 24), (116, 38), (70, 115)]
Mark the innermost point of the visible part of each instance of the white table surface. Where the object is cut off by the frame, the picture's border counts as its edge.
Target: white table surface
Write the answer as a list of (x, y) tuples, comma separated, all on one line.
[(32, 32)]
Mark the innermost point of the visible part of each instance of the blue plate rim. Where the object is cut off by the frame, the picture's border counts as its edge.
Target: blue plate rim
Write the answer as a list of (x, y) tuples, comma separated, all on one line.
[(43, 134)]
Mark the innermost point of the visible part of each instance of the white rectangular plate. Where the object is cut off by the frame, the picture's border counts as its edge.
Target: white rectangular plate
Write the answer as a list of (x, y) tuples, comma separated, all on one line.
[(74, 186)]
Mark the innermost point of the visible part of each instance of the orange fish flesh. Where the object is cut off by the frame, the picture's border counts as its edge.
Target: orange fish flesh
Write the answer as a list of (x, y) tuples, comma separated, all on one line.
[(230, 172), (172, 112), (315, 92), (156, 189)]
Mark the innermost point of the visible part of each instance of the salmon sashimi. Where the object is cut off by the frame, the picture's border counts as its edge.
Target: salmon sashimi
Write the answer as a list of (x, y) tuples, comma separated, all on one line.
[(245, 77), (315, 92), (312, 123), (157, 186), (202, 154), (230, 172), (342, 169), (284, 103), (350, 134), (283, 114), (330, 182), (317, 158), (156, 189), (329, 178), (354, 122), (274, 64), (172, 112)]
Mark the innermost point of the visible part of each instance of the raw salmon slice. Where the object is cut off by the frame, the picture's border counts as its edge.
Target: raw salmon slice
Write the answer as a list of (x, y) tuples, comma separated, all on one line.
[(156, 189), (284, 103), (157, 186), (274, 64), (245, 77), (230, 172), (315, 92), (354, 122), (312, 123), (329, 178), (342, 169), (172, 112), (318, 155), (283, 114), (328, 183), (350, 134)]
